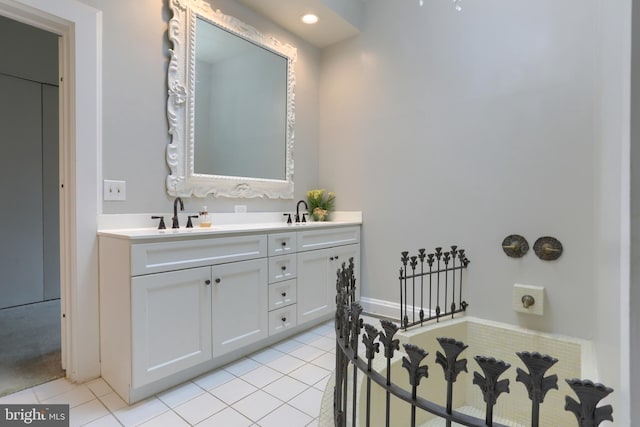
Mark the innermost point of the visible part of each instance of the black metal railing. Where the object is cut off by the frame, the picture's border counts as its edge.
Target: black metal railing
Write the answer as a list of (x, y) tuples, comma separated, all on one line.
[(436, 274), (349, 364)]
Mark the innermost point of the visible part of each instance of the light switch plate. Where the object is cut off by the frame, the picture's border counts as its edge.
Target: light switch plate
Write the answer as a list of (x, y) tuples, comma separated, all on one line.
[(537, 292), (114, 190)]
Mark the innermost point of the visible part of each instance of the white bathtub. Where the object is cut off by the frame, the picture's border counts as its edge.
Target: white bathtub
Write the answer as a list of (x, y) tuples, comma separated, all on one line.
[(484, 338)]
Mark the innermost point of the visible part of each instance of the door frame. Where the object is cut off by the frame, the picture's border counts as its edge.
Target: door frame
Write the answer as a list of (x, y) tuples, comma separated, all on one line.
[(80, 52)]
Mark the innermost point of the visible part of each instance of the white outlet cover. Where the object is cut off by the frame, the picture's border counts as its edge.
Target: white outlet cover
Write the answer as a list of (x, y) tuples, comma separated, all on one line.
[(537, 292)]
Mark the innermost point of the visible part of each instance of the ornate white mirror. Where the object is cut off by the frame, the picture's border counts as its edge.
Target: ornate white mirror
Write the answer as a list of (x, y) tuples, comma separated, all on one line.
[(230, 107)]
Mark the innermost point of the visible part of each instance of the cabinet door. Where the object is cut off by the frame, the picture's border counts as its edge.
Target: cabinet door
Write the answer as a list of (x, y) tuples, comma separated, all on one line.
[(171, 322), (317, 274), (239, 304)]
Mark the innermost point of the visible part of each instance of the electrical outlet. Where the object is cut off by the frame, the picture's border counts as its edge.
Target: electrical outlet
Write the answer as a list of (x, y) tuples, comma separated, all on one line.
[(240, 208), (114, 190)]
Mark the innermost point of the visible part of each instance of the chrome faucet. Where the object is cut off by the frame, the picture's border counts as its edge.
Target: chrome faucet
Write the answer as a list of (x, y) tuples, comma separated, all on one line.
[(306, 207), (175, 211)]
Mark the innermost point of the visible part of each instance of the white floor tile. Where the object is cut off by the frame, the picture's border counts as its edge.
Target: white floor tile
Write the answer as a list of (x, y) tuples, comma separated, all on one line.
[(287, 346), (309, 374), (286, 388), (241, 366), (285, 415), (261, 376), (233, 391), (257, 405), (112, 401), (266, 356), (285, 364), (213, 379), (87, 412), (308, 401), (99, 387), (306, 337), (326, 361), (180, 394), (226, 418), (166, 419), (200, 408), (74, 397), (106, 421), (307, 353), (322, 384), (53, 388), (324, 343), (140, 412)]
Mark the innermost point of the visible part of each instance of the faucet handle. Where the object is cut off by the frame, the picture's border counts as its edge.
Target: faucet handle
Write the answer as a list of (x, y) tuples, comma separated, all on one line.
[(161, 226), (288, 215), (304, 216), (189, 223)]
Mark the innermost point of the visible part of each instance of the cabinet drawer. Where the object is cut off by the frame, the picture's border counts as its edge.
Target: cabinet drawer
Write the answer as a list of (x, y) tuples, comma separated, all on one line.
[(282, 268), (282, 319), (327, 237), (282, 294), (282, 243), (149, 258)]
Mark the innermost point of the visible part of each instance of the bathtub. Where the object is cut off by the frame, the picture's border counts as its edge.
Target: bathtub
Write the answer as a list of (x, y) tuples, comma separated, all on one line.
[(484, 338)]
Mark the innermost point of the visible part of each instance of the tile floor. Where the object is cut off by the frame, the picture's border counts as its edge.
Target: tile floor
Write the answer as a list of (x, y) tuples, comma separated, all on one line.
[(280, 385)]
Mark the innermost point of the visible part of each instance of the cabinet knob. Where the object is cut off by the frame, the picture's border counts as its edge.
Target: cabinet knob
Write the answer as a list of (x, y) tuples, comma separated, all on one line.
[(330, 258), (284, 243), (336, 256), (207, 282), (284, 267), (284, 319), (218, 280), (284, 294)]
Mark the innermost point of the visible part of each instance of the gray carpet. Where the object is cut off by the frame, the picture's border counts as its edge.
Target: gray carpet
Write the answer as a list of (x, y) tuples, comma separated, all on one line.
[(29, 346)]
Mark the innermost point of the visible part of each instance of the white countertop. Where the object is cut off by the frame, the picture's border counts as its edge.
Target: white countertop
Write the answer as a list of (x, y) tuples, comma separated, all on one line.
[(225, 225)]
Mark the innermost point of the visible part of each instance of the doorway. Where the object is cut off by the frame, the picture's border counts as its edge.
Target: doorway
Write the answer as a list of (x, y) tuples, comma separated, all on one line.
[(30, 327)]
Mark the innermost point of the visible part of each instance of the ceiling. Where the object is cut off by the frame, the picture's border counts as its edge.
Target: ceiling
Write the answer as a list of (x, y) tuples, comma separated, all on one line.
[(330, 29)]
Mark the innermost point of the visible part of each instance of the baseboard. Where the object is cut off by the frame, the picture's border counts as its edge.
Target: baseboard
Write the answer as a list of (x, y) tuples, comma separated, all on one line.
[(387, 309)]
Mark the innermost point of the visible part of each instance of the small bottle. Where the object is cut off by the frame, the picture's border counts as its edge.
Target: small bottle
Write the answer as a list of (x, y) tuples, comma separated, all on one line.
[(205, 218)]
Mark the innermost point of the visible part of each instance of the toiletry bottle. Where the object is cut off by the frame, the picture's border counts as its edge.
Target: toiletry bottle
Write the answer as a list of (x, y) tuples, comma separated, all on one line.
[(205, 218)]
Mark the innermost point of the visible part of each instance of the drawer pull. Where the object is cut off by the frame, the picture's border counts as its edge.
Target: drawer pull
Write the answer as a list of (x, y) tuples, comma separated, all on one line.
[(218, 280), (284, 267), (330, 258), (207, 282), (284, 243), (284, 294), (284, 319)]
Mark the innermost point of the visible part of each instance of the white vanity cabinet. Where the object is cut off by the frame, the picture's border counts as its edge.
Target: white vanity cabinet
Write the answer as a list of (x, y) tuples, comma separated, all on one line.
[(239, 311), (321, 254), (173, 306), (171, 323)]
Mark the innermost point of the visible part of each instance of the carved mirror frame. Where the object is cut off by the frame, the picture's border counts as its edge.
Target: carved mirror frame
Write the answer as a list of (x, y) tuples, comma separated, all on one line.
[(182, 180)]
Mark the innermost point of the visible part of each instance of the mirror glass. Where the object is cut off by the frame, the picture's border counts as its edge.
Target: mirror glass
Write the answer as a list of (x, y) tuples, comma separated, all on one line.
[(230, 107)]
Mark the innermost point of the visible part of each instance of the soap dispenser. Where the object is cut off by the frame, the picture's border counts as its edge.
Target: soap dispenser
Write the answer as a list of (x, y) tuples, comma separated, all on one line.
[(205, 218)]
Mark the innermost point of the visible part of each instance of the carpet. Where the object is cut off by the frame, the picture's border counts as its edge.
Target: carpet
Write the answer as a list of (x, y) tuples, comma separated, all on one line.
[(29, 346)]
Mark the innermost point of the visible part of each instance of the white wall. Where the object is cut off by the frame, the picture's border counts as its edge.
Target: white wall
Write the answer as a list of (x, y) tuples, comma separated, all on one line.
[(463, 128), (135, 59), (449, 127)]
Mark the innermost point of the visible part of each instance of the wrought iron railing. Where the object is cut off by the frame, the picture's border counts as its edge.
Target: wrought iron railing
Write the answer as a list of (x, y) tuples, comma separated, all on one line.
[(436, 274), (350, 364)]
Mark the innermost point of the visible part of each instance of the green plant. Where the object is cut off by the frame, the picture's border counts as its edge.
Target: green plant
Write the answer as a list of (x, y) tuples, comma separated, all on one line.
[(320, 203)]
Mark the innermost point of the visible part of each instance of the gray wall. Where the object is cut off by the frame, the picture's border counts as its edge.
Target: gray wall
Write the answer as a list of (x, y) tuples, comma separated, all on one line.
[(29, 225), (135, 58)]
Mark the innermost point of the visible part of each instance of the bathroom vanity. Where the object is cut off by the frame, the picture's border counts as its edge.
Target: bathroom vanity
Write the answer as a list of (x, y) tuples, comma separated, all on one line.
[(175, 304)]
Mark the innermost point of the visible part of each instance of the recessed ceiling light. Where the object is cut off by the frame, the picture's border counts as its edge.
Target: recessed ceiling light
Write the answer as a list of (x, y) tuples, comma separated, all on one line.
[(309, 18)]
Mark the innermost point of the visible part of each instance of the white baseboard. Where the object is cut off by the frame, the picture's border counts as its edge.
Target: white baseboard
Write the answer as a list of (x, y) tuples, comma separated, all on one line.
[(385, 308)]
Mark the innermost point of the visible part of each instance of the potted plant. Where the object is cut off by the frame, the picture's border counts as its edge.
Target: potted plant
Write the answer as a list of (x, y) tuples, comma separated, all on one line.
[(320, 204)]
